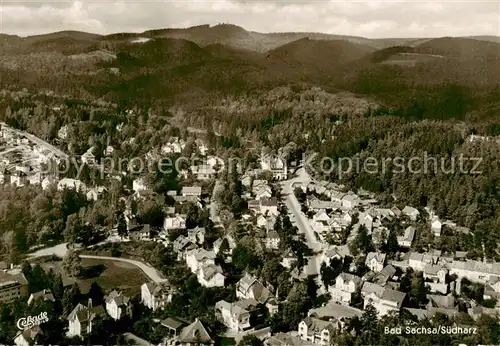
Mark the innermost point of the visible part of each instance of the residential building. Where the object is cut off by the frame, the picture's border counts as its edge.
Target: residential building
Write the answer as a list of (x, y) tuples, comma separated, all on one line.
[(211, 275), (269, 206), (118, 305), (71, 184), (12, 287), (276, 165), (436, 227), (156, 295), (82, 318), (407, 239), (418, 261), (44, 295), (250, 288), (384, 275), (191, 191), (435, 272), (386, 301), (28, 337), (475, 271), (194, 335), (317, 331), (345, 285), (88, 157), (203, 172), (286, 339), (197, 235), (174, 325), (289, 259), (177, 221), (233, 316), (272, 240), (197, 258), (375, 261), (411, 212), (217, 244)]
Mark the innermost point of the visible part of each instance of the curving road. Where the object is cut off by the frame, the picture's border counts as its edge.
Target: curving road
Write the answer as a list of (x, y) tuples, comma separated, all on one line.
[(62, 249), (150, 271)]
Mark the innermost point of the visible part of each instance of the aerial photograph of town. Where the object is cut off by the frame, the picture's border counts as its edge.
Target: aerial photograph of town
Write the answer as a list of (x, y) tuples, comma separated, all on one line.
[(250, 173)]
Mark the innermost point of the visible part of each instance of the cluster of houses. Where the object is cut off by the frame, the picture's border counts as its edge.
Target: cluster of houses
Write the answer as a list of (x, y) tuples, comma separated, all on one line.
[(21, 159)]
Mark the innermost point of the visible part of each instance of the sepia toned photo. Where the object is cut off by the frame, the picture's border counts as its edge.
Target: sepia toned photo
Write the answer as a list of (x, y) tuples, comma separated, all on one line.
[(250, 172)]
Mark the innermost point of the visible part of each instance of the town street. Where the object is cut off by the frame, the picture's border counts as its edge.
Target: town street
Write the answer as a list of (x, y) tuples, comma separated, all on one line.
[(293, 206)]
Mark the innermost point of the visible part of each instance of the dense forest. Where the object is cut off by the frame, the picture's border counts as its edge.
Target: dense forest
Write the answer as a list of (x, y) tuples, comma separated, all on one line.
[(359, 104)]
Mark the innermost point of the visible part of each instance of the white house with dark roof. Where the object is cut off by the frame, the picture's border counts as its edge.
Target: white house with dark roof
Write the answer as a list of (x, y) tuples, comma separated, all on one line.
[(435, 272), (177, 221), (407, 238), (418, 261), (156, 295), (81, 319), (71, 184), (118, 305), (345, 285), (182, 245), (276, 165), (211, 275), (375, 261), (233, 316), (203, 172), (272, 240), (317, 331), (250, 288), (197, 258), (269, 206), (386, 301)]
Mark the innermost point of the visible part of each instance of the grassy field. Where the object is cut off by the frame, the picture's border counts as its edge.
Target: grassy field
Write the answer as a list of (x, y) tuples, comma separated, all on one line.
[(107, 273)]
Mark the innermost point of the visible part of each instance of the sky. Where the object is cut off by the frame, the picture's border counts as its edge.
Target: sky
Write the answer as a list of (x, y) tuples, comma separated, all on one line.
[(372, 19)]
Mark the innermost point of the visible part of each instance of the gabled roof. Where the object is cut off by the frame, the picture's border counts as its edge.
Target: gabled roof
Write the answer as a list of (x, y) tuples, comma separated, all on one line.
[(43, 294), (174, 323), (369, 287), (380, 257), (346, 277), (194, 333), (318, 325), (118, 298), (210, 270), (393, 296)]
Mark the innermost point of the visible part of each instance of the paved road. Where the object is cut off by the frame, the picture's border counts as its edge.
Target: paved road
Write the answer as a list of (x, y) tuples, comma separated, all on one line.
[(38, 141), (213, 204), (293, 205), (151, 272), (57, 250)]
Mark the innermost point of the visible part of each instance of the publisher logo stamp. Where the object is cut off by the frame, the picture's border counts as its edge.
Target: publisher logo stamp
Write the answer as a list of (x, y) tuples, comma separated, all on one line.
[(31, 321)]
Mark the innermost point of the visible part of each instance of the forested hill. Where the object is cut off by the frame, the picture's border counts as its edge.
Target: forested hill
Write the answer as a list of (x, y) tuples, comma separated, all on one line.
[(352, 97)]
